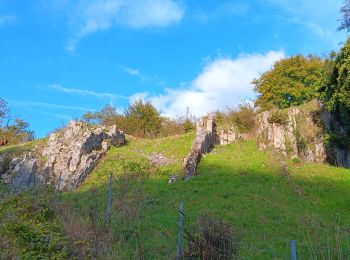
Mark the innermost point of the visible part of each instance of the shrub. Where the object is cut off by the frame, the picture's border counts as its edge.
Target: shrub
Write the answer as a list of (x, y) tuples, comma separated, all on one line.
[(188, 125), (171, 127), (242, 117), (278, 117), (211, 239), (296, 160), (140, 119)]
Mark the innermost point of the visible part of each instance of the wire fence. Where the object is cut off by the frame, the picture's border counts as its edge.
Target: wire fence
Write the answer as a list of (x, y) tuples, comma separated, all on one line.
[(215, 239)]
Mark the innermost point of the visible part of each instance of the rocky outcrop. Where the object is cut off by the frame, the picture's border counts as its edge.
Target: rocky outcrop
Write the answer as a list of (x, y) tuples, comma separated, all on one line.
[(293, 132), (225, 137), (206, 138), (301, 132), (21, 171), (68, 157)]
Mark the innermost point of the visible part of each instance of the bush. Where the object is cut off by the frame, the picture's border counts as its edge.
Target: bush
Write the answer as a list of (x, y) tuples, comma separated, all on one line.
[(211, 239), (278, 117), (296, 160), (242, 118), (188, 125), (140, 119)]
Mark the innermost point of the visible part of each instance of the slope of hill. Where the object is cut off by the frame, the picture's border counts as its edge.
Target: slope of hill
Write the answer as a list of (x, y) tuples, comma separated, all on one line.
[(267, 202)]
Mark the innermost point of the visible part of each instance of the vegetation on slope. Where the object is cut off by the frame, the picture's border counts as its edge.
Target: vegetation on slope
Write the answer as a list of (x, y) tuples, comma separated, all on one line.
[(266, 203)]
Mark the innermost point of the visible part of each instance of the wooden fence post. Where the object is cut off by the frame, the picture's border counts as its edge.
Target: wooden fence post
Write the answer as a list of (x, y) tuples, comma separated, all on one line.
[(58, 187), (293, 250), (179, 241), (109, 198)]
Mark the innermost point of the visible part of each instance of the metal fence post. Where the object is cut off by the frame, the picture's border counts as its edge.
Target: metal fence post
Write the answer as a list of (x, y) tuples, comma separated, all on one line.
[(179, 241), (293, 250), (109, 199)]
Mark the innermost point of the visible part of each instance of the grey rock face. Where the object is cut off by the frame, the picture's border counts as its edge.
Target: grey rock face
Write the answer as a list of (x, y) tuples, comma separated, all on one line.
[(299, 136), (69, 156), (303, 135), (21, 172), (225, 137), (206, 138)]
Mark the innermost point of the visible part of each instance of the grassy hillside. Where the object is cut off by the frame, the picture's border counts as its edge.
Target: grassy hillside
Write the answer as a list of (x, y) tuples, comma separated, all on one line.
[(265, 204)]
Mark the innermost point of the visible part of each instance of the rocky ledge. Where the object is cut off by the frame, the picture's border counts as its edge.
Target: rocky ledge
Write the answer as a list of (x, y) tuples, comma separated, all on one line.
[(65, 161)]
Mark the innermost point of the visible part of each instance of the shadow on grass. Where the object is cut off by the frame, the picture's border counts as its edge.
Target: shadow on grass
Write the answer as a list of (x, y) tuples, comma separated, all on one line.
[(238, 184)]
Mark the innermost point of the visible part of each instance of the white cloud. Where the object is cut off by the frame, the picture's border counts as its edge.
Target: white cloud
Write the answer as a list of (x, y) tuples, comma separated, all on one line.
[(99, 15), (86, 92), (223, 82), (7, 19), (132, 72), (138, 96)]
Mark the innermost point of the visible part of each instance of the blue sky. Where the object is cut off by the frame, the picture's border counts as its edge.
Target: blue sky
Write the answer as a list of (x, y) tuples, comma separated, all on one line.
[(61, 58)]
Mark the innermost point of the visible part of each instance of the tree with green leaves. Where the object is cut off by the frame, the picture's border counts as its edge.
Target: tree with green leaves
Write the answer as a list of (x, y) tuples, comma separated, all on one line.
[(335, 89), (291, 82), (4, 110), (143, 119), (345, 21)]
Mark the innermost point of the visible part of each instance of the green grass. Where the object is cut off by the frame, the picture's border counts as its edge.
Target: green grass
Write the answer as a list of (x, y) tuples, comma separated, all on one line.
[(245, 187), (18, 149)]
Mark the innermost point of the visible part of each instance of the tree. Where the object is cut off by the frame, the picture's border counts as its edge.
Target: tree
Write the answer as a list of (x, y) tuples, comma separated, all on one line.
[(89, 117), (345, 21), (4, 110), (291, 82), (188, 125), (335, 89), (143, 119)]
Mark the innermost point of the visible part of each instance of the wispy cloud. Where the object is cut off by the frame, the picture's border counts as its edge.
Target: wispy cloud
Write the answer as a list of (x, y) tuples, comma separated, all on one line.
[(225, 9), (101, 15), (142, 76), (7, 19), (320, 17), (86, 92), (59, 115), (22, 103), (315, 28)]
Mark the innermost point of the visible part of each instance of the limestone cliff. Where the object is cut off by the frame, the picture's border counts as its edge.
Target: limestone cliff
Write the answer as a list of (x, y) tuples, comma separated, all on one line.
[(302, 132), (67, 158)]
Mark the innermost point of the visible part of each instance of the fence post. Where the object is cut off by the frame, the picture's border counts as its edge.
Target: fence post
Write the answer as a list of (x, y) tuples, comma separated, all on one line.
[(293, 251), (109, 198), (179, 241)]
